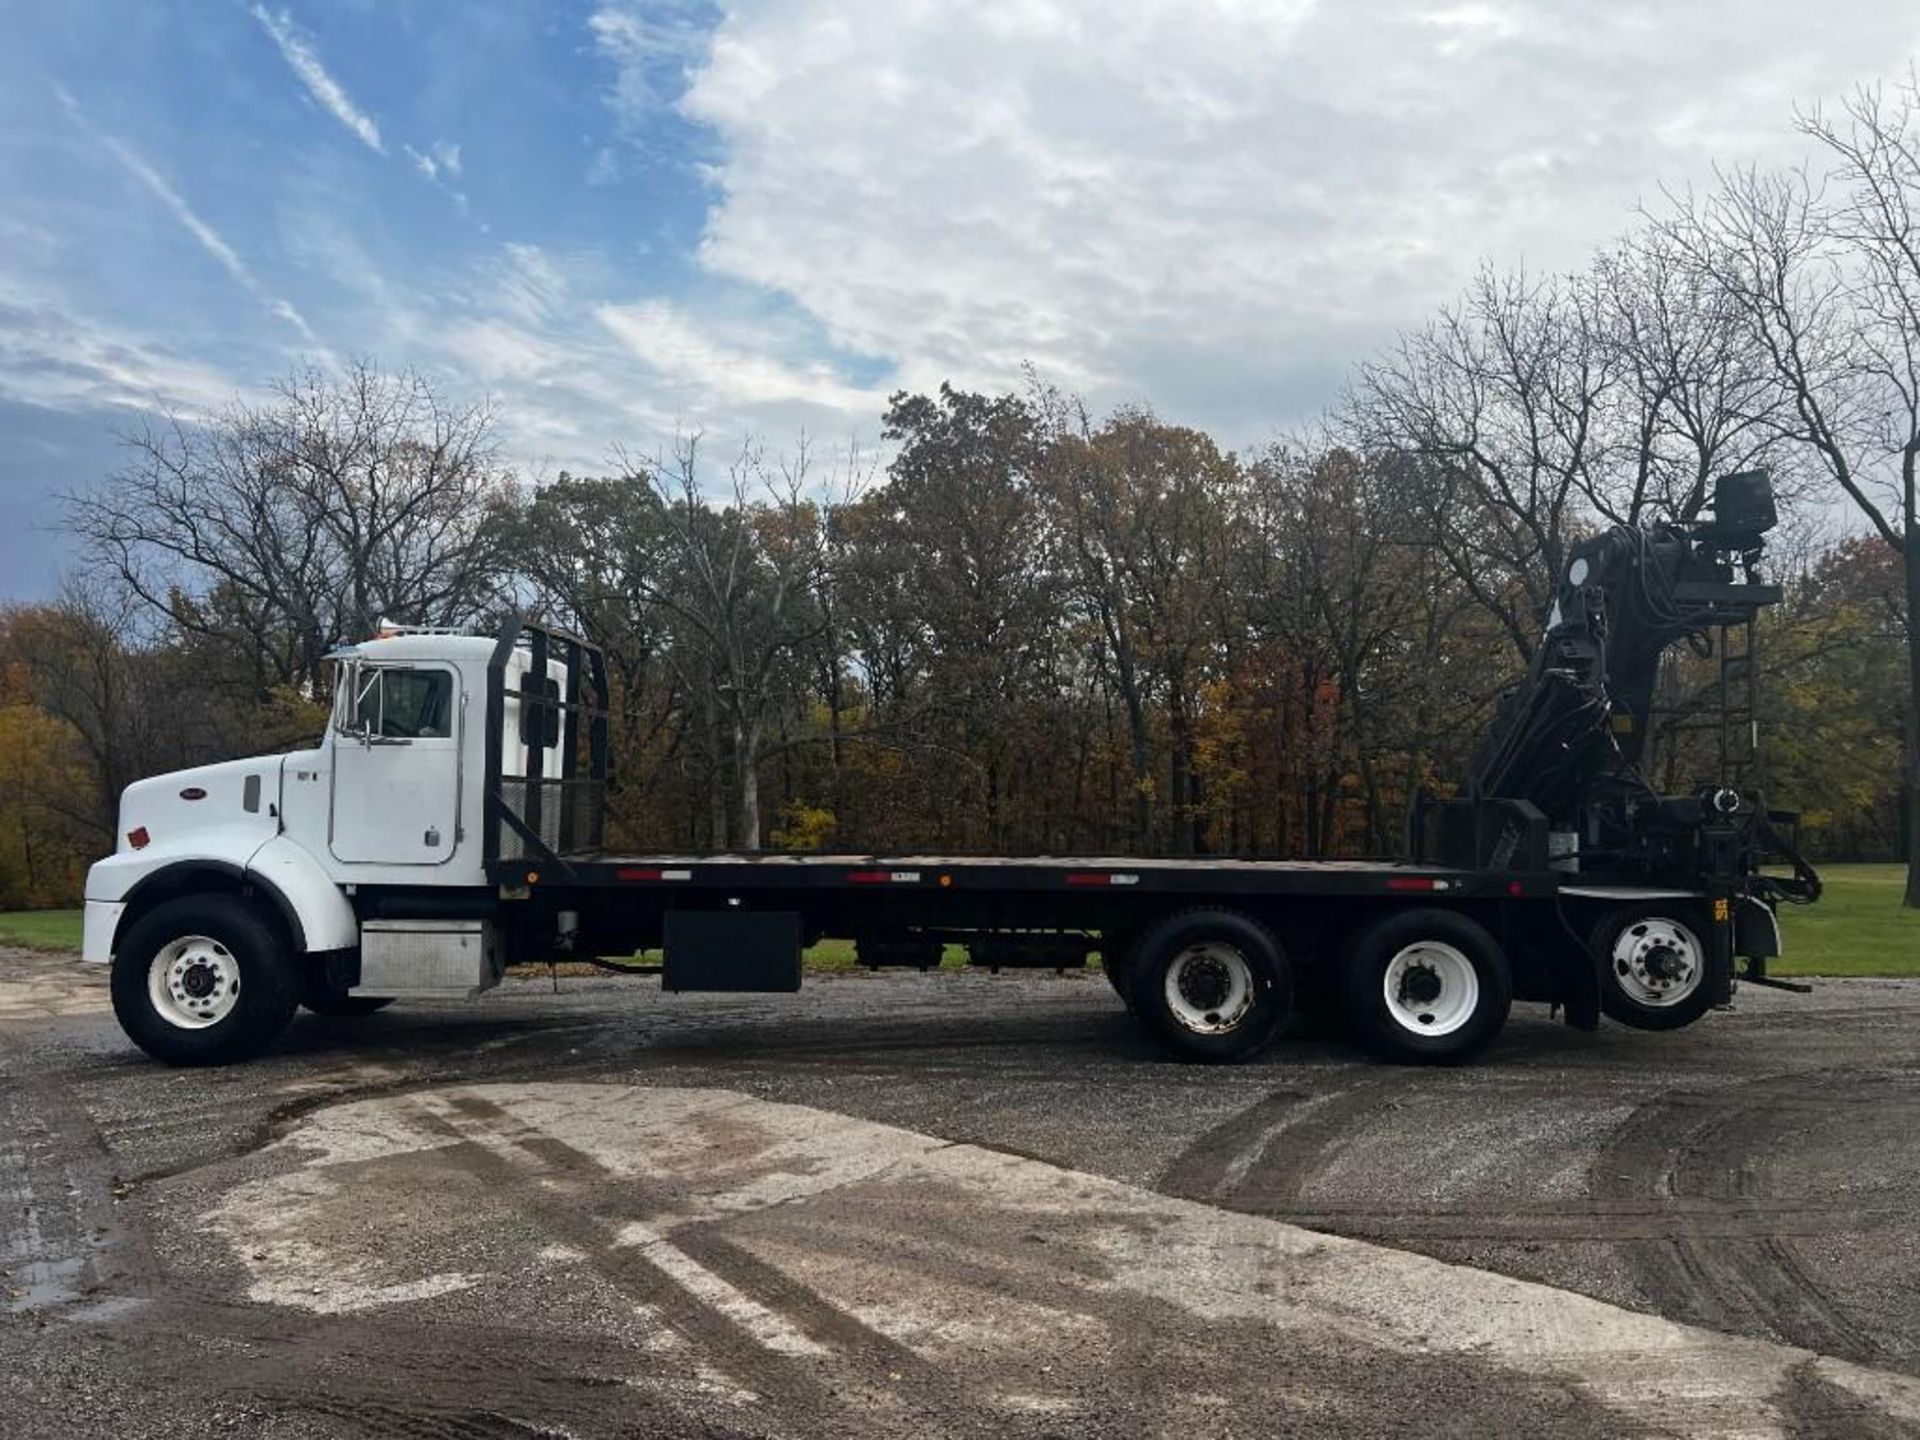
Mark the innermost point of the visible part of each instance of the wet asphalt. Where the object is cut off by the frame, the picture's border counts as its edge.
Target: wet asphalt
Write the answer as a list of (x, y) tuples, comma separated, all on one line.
[(524, 1216)]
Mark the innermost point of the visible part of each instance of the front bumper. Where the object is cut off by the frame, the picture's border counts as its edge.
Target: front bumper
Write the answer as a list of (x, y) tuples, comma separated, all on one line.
[(99, 921)]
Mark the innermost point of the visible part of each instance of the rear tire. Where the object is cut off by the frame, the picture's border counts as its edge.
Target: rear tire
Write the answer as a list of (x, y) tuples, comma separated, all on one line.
[(203, 980), (1653, 965), (1213, 984), (1427, 987)]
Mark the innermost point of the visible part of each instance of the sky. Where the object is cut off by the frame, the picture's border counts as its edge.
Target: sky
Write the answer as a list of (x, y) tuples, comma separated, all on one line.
[(624, 219)]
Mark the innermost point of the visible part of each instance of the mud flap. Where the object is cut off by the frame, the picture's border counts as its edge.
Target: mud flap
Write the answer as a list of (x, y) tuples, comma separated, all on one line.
[(1576, 985)]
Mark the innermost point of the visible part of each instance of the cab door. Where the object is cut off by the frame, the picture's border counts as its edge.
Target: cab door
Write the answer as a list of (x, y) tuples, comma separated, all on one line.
[(396, 766)]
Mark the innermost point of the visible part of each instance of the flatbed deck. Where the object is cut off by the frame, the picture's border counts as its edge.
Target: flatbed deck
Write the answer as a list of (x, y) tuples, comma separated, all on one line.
[(976, 874)]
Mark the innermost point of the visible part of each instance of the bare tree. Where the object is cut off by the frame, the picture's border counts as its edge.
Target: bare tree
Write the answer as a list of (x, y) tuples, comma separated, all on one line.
[(1502, 399), (293, 524), (1825, 273), (743, 586)]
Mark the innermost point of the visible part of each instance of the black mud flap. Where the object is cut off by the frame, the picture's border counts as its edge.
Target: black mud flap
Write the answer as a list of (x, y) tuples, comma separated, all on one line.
[(732, 950), (1576, 986)]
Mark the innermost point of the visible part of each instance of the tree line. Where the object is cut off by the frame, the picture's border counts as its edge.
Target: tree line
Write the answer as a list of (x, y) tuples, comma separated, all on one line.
[(1036, 628)]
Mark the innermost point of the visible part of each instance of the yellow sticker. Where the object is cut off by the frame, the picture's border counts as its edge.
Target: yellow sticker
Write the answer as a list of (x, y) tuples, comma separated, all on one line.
[(1721, 910)]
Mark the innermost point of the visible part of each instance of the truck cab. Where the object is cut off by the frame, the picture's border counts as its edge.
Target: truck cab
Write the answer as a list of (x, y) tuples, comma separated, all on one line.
[(363, 859)]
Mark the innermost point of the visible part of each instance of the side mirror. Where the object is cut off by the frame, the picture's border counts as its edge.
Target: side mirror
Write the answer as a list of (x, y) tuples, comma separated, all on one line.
[(353, 685)]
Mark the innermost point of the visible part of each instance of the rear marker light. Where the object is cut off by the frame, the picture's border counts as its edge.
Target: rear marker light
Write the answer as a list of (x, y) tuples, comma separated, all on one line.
[(1417, 882), (1095, 877), (138, 837), (631, 873), (883, 877)]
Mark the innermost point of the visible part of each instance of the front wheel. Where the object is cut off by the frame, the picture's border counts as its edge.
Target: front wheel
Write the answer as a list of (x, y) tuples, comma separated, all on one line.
[(1653, 965), (1427, 987), (1212, 984), (203, 980)]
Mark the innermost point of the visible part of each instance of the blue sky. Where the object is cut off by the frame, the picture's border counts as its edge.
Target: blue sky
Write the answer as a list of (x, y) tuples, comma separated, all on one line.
[(619, 219)]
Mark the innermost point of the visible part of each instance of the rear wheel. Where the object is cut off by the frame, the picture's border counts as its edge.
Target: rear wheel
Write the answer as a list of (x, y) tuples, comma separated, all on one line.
[(1653, 965), (203, 980), (1212, 984), (1427, 987)]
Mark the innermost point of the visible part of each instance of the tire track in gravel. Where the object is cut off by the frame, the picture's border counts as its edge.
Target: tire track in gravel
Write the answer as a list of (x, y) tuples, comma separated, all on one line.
[(1262, 1159), (890, 1377), (64, 1237), (1739, 1269), (383, 1375)]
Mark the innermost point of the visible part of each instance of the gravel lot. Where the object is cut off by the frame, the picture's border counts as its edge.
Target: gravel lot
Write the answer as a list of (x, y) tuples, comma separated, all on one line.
[(953, 1204)]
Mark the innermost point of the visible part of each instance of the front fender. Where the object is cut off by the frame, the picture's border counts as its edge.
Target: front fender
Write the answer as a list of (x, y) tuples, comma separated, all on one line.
[(322, 917), (116, 878), (318, 916)]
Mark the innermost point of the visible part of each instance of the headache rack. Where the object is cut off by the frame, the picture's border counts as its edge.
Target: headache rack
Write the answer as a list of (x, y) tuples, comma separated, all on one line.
[(539, 815)]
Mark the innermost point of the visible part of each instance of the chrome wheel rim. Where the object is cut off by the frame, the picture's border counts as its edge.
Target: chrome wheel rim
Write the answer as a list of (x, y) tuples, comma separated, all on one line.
[(1209, 987), (1431, 988), (193, 982), (1658, 962)]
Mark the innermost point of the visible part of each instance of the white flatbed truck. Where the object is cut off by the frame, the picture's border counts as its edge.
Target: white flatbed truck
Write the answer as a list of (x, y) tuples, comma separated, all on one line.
[(448, 825)]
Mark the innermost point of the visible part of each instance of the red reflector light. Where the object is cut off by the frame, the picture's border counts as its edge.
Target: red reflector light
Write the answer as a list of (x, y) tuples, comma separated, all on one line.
[(138, 837), (868, 877), (631, 874), (1412, 882), (1083, 877)]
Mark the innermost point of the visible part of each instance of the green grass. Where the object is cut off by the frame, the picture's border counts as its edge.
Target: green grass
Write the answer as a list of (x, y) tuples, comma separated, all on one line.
[(1858, 928), (40, 929)]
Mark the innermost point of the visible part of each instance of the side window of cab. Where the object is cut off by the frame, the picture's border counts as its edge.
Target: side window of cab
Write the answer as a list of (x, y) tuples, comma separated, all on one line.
[(395, 703)]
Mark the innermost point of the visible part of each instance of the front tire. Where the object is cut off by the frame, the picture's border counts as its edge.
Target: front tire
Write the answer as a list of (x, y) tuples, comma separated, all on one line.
[(203, 980), (1427, 987), (1653, 965), (1213, 984)]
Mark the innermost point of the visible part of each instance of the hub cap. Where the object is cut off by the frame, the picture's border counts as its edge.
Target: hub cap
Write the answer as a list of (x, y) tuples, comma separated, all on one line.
[(193, 982), (1209, 987), (1658, 961), (1431, 988)]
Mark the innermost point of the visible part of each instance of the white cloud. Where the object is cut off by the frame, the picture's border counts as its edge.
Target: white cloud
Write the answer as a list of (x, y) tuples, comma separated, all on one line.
[(653, 45), (1217, 204), (439, 158), (722, 372), (55, 358), (300, 55), (209, 238)]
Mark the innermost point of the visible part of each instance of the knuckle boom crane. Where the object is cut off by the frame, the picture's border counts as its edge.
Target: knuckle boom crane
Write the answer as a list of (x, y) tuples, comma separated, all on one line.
[(1564, 754)]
